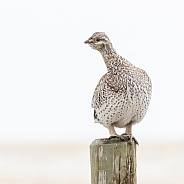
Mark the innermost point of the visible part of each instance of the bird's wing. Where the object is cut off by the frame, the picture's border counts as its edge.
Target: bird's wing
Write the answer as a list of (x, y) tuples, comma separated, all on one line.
[(107, 85), (98, 95)]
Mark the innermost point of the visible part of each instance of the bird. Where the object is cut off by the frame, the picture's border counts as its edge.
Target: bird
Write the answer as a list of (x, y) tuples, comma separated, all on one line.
[(122, 96)]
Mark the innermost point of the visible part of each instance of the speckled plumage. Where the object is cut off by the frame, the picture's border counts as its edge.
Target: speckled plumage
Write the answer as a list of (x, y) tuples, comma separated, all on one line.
[(123, 94)]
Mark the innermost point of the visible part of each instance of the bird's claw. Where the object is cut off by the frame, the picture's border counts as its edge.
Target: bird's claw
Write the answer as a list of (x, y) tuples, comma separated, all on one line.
[(129, 138), (125, 137), (116, 136)]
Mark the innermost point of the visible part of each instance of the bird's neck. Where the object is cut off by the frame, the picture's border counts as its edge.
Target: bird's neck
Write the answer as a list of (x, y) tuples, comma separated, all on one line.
[(111, 58)]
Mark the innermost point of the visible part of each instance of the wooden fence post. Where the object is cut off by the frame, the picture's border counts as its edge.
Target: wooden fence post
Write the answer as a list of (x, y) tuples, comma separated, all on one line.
[(113, 162)]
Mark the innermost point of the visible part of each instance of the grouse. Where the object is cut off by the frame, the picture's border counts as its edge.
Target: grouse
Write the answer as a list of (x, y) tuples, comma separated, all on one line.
[(123, 94)]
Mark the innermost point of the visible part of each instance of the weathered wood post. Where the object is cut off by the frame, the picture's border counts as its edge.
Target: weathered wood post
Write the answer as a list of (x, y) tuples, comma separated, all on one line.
[(113, 162)]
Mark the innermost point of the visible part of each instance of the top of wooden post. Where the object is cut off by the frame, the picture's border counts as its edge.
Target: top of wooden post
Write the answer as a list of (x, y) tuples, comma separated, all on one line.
[(104, 141), (113, 161)]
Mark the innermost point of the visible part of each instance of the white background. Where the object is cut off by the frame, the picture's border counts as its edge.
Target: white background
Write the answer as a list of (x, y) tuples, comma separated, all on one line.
[(47, 74)]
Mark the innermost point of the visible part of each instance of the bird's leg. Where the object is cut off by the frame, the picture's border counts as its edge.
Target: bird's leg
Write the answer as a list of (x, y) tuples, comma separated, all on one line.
[(129, 129), (113, 133), (127, 136)]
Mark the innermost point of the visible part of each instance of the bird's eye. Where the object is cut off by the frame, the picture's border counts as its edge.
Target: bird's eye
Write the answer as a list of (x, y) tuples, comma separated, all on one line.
[(97, 39)]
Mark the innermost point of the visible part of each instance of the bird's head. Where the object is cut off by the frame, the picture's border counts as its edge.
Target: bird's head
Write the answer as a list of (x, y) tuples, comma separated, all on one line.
[(98, 41)]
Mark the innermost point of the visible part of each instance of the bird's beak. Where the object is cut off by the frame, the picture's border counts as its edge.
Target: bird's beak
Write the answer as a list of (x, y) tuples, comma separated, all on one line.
[(89, 41)]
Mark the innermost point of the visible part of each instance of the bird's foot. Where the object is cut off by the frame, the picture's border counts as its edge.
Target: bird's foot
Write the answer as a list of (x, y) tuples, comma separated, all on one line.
[(125, 137), (128, 138), (116, 136)]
